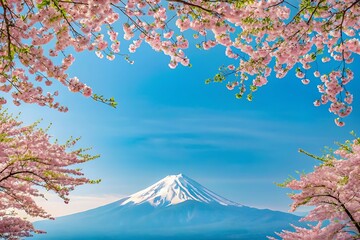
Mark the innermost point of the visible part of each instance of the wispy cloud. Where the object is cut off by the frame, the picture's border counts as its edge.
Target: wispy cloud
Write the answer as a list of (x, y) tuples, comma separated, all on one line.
[(78, 203), (205, 129)]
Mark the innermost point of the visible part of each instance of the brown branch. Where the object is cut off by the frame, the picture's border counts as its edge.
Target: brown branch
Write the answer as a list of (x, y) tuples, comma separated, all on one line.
[(312, 14), (297, 14), (132, 20), (81, 3), (342, 205), (311, 155), (7, 23), (76, 33), (276, 4), (197, 6)]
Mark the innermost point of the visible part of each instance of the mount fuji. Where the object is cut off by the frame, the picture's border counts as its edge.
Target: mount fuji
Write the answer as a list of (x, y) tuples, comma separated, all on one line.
[(176, 189), (175, 207)]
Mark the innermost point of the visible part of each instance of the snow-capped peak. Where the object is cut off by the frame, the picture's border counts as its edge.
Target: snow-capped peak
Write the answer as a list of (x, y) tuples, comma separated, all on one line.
[(175, 189)]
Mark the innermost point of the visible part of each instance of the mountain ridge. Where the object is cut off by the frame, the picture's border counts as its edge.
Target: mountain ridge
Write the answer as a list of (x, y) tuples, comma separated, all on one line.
[(175, 189), (183, 209)]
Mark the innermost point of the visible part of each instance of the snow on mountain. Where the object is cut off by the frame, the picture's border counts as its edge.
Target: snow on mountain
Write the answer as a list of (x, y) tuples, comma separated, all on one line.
[(175, 189)]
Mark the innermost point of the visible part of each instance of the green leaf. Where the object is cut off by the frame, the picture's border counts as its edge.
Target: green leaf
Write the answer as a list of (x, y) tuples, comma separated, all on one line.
[(43, 4), (344, 181), (238, 95), (253, 88), (286, 182)]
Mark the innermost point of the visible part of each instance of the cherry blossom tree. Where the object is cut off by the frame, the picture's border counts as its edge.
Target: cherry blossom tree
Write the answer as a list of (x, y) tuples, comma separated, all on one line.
[(263, 37), (29, 162), (333, 189)]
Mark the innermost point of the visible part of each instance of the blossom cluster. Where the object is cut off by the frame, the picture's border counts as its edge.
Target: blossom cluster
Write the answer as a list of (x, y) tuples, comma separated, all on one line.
[(263, 37), (29, 161), (333, 189), (33, 41)]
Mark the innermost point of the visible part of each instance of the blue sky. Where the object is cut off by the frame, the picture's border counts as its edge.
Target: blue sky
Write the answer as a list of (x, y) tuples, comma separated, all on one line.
[(169, 122)]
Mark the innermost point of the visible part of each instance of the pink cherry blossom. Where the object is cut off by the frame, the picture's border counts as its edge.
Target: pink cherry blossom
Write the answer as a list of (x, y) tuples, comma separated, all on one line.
[(300, 74), (30, 161), (333, 189), (305, 81), (261, 37), (231, 67)]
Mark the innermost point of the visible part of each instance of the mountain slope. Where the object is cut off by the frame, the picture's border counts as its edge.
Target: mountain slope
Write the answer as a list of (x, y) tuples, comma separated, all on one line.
[(175, 189), (175, 207)]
